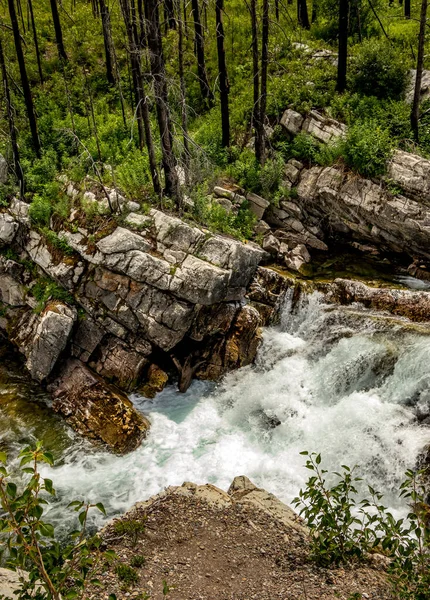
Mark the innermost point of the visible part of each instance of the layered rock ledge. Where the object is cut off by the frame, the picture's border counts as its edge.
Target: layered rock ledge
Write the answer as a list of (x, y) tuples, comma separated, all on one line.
[(121, 306)]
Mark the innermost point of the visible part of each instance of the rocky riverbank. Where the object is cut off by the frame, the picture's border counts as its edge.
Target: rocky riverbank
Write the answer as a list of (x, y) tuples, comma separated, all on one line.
[(206, 543)]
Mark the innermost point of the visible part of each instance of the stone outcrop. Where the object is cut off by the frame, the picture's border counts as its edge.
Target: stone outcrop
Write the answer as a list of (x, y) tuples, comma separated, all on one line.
[(168, 296), (414, 305), (356, 208), (97, 410)]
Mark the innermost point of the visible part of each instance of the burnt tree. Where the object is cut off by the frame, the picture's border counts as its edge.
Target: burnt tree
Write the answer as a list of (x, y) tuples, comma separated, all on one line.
[(420, 63), (343, 45), (199, 47), (58, 30), (223, 77), (28, 98)]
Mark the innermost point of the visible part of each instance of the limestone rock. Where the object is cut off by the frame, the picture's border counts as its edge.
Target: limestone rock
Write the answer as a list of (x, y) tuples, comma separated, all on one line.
[(267, 292), (322, 128), (156, 381), (224, 193), (137, 221), (425, 86), (50, 339), (271, 244), (20, 210), (292, 121), (98, 410), (122, 241), (415, 305), (412, 174), (120, 364), (8, 229), (244, 491), (10, 582), (200, 282), (174, 233), (257, 204)]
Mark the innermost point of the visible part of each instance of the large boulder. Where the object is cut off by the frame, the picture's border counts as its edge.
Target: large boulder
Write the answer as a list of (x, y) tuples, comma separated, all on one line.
[(8, 229), (98, 410), (42, 338)]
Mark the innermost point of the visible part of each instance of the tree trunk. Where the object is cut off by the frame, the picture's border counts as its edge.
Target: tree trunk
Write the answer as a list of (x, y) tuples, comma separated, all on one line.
[(36, 41), (160, 87), (408, 9), (256, 72), (107, 39), (420, 62), (302, 14), (223, 77), (24, 78), (11, 122), (314, 14), (170, 14), (200, 53), (58, 30), (260, 150), (343, 45), (142, 111), (184, 116)]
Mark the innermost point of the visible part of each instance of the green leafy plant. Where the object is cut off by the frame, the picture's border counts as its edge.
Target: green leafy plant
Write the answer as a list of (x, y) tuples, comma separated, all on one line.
[(137, 561), (55, 571), (130, 528), (46, 289), (126, 574), (368, 148), (345, 527), (379, 69)]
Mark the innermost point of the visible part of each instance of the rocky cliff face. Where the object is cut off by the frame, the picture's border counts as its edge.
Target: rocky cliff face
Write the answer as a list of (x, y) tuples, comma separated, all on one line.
[(331, 202), (164, 296)]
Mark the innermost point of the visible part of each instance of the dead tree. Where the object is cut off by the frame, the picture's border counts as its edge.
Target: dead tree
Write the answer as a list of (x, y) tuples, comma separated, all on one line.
[(343, 45), (171, 181), (142, 111), (302, 14), (260, 146), (11, 121), (420, 62), (58, 31), (107, 39), (199, 46), (28, 98), (35, 39), (223, 77)]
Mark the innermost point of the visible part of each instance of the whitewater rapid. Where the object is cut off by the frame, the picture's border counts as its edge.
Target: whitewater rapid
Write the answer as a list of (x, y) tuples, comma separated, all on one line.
[(340, 381)]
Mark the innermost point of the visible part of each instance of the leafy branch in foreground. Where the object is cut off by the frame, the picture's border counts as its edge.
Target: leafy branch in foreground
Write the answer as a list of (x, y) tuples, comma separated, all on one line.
[(54, 571), (346, 528)]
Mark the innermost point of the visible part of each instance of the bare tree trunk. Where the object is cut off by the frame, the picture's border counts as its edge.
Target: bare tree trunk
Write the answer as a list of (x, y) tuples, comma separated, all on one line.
[(163, 116), (184, 116), (420, 62), (107, 39), (11, 122), (58, 30), (200, 53), (36, 41), (170, 14), (142, 111), (408, 9), (302, 14), (260, 150), (343, 45), (223, 77), (256, 72), (24, 78)]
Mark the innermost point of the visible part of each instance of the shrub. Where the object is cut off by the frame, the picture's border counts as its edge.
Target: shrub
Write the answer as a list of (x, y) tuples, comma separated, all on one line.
[(346, 528), (368, 147), (40, 210), (137, 561), (55, 570), (130, 528), (379, 70), (126, 573), (46, 289)]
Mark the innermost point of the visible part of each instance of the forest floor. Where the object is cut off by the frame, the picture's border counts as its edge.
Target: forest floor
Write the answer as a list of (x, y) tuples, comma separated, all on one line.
[(197, 550)]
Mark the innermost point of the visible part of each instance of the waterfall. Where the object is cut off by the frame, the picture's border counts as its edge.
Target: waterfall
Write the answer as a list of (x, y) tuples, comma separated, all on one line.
[(342, 381)]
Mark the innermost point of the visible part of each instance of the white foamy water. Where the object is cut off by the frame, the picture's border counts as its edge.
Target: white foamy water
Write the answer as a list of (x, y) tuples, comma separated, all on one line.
[(340, 381)]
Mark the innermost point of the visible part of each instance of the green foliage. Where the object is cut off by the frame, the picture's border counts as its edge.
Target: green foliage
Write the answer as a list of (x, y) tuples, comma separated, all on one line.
[(45, 290), (55, 570), (345, 528), (238, 223), (57, 242), (40, 210), (368, 148), (137, 561), (379, 69), (130, 528), (126, 574)]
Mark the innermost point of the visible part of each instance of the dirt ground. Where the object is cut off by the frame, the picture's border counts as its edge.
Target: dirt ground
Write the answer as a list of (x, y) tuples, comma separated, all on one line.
[(202, 552)]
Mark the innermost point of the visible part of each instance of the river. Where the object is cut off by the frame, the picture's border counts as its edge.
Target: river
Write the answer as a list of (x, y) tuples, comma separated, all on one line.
[(342, 381)]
